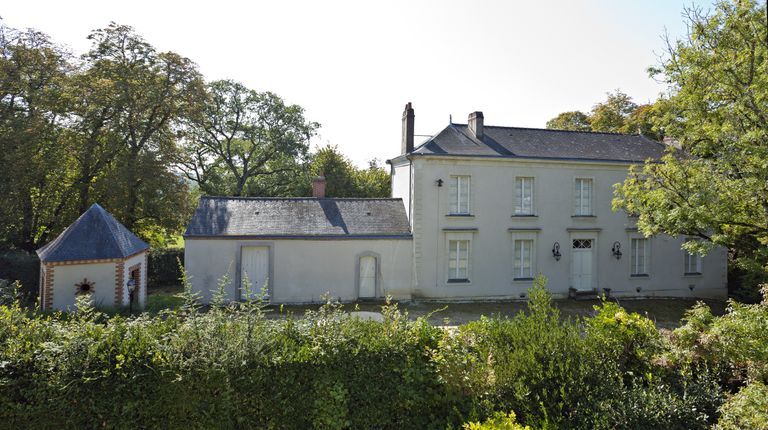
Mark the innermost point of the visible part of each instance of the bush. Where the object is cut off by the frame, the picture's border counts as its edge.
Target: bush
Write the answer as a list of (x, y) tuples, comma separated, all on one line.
[(500, 421), (747, 409), (164, 267)]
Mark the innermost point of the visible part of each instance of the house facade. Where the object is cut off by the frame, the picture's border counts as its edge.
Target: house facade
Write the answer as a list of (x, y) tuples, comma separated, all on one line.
[(492, 207)]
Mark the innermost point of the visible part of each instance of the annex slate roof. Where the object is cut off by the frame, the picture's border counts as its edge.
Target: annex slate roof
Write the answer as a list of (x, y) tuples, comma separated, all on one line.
[(95, 235), (511, 142), (299, 218)]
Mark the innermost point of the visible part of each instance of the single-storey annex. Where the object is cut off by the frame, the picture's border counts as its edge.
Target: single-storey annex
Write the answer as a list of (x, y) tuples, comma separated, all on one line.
[(95, 256), (299, 249)]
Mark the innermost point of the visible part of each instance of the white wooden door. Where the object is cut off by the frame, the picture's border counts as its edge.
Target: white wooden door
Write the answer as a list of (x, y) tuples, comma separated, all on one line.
[(581, 264), (367, 276), (255, 267)]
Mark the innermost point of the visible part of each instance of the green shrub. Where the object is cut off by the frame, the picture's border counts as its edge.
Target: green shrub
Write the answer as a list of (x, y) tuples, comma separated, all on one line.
[(747, 409), (499, 421), (16, 265), (164, 267)]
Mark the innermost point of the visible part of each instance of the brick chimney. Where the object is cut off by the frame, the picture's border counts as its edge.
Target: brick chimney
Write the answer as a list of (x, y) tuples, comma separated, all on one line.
[(475, 123), (318, 187), (408, 117)]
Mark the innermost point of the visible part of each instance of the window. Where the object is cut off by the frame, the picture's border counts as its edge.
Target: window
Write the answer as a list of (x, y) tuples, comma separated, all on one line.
[(692, 262), (523, 259), (459, 195), (523, 196), (582, 197), (639, 257), (458, 261)]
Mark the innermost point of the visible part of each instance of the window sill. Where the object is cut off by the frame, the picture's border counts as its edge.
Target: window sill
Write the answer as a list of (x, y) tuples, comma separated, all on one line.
[(460, 215), (583, 216), (458, 281), (692, 274), (522, 279), (524, 216), (640, 275)]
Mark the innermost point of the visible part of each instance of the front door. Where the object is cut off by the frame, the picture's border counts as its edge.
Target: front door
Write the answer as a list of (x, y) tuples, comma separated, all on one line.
[(255, 269), (367, 276), (581, 264)]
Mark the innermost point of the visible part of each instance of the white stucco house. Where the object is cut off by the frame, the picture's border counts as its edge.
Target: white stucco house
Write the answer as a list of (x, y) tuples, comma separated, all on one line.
[(95, 256), (476, 213)]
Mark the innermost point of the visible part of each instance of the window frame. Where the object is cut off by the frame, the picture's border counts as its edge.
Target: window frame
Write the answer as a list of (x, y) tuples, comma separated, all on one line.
[(458, 238), (633, 257), (521, 198), (686, 261), (456, 200), (520, 275), (580, 200)]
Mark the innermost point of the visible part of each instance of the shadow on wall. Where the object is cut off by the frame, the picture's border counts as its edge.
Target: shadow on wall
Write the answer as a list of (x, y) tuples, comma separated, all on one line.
[(332, 213)]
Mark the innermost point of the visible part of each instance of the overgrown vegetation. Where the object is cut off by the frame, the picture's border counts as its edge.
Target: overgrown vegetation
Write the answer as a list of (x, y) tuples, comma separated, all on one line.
[(231, 367)]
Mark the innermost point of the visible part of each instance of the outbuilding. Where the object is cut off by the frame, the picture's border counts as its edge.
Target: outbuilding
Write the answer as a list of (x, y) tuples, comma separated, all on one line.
[(299, 249), (95, 256)]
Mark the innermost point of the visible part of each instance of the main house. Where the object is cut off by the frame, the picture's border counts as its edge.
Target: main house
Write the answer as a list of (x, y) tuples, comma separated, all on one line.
[(476, 213)]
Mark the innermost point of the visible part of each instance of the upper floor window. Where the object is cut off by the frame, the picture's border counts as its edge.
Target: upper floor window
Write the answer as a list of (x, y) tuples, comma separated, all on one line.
[(458, 261), (523, 264), (460, 195), (582, 202), (639, 257), (523, 196), (692, 262)]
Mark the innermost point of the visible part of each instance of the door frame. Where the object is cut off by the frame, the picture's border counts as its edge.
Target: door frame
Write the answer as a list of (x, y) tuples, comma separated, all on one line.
[(377, 283), (591, 235), (270, 264)]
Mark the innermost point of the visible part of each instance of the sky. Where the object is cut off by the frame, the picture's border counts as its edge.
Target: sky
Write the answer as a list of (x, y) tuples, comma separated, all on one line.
[(352, 65)]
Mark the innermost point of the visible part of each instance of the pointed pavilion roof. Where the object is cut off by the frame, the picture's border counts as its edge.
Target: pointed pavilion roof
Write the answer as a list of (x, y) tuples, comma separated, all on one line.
[(96, 235)]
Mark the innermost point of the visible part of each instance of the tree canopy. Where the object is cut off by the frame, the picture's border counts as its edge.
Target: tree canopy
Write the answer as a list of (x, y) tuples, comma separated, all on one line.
[(716, 188)]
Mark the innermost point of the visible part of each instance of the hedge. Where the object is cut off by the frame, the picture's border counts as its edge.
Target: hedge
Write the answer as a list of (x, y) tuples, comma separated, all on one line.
[(230, 367), (164, 267)]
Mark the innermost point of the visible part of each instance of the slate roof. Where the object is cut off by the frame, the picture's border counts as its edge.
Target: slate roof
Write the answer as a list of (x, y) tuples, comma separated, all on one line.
[(516, 142), (95, 235), (299, 218)]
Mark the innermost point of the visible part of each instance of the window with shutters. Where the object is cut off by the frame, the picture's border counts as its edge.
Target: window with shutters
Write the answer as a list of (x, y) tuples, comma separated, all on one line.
[(460, 195), (582, 202), (524, 196), (639, 257), (458, 260), (523, 264), (692, 262)]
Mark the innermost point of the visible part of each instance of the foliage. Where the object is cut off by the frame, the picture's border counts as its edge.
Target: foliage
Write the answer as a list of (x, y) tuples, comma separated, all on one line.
[(617, 114), (16, 265), (717, 109), (163, 267), (343, 179), (232, 367), (499, 421), (747, 409)]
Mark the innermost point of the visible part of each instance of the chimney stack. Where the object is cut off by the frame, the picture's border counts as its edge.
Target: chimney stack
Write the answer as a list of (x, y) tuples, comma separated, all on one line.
[(476, 124), (407, 146), (318, 187)]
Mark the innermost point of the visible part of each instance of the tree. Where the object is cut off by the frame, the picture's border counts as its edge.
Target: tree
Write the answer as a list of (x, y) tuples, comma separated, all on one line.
[(240, 136), (572, 120), (717, 108), (343, 179), (610, 115)]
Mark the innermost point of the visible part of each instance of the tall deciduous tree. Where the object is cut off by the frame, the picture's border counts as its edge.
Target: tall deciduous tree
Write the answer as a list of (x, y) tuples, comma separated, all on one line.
[(241, 136), (717, 108), (572, 120)]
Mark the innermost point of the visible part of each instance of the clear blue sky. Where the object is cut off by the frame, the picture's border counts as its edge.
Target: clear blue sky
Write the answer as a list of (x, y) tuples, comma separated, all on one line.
[(353, 65)]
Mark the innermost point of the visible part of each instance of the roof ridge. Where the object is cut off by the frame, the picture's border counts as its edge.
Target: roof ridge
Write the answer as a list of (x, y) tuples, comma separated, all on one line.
[(560, 130)]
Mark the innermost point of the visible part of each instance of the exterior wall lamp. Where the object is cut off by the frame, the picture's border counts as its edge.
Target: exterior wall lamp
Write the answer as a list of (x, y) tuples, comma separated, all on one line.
[(439, 182), (616, 250), (556, 251)]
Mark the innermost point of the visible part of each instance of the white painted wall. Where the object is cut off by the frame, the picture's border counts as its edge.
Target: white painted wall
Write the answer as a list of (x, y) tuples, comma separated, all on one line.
[(142, 295), (65, 277), (492, 244), (302, 270), (401, 184)]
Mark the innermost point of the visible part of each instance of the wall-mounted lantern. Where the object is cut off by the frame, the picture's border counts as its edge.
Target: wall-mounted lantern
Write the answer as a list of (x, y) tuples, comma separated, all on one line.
[(616, 250), (556, 251), (439, 182)]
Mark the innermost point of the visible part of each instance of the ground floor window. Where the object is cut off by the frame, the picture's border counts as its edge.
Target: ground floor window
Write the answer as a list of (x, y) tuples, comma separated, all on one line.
[(692, 262), (523, 264), (458, 261), (639, 257)]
